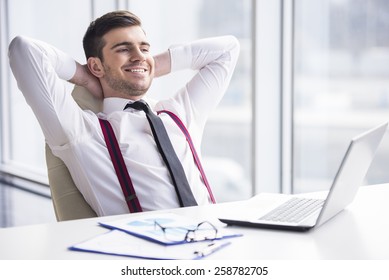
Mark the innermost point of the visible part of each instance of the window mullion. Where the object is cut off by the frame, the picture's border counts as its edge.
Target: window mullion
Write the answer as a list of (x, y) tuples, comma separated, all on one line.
[(287, 96), (267, 96)]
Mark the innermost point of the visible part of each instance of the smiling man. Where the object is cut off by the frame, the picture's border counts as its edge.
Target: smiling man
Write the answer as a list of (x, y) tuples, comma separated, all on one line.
[(120, 58), (120, 69)]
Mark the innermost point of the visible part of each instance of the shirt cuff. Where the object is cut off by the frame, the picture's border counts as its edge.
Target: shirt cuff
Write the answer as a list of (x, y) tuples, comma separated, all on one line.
[(66, 67), (181, 57)]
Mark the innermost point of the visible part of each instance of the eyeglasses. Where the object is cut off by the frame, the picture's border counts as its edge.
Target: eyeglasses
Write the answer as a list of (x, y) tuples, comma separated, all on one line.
[(203, 231)]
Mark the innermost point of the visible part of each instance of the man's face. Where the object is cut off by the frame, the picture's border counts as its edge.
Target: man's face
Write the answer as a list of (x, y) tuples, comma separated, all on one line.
[(128, 66)]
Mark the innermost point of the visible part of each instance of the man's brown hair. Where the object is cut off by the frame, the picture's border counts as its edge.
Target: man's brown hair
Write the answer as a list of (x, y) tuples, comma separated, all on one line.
[(93, 42)]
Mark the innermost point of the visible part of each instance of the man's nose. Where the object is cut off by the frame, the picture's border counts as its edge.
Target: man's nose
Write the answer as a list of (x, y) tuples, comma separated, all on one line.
[(138, 55)]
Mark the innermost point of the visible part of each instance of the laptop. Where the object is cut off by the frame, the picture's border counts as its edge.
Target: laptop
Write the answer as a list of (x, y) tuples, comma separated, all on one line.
[(302, 213)]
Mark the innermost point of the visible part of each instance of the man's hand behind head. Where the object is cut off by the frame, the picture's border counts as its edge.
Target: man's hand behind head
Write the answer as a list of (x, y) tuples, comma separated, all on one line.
[(83, 77)]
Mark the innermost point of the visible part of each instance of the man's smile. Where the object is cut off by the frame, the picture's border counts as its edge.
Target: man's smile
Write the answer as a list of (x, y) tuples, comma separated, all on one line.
[(135, 69)]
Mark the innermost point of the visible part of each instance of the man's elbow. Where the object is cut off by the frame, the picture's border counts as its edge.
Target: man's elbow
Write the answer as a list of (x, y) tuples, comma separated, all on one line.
[(17, 47), (19, 54), (16, 44)]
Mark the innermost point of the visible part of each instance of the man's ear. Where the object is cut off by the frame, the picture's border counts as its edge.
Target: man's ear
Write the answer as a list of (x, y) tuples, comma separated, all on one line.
[(96, 67)]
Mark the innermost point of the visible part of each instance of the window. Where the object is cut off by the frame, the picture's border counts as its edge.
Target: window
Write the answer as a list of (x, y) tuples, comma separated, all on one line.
[(311, 75), (341, 85)]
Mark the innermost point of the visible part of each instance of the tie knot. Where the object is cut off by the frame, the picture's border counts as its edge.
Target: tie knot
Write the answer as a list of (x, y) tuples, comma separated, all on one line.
[(138, 105)]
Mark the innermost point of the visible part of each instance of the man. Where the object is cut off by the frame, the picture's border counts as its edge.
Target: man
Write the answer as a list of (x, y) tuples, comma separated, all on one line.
[(120, 69)]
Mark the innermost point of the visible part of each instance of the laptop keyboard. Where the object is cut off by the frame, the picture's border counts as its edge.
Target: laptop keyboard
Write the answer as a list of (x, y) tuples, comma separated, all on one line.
[(294, 210)]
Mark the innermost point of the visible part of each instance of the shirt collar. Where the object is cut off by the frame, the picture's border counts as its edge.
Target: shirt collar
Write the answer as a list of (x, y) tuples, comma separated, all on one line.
[(114, 104)]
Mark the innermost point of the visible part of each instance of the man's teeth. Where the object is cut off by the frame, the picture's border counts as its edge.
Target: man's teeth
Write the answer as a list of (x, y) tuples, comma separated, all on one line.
[(138, 70)]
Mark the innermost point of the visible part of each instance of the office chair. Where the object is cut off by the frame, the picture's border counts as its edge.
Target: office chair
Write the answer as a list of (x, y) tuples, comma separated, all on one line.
[(68, 202)]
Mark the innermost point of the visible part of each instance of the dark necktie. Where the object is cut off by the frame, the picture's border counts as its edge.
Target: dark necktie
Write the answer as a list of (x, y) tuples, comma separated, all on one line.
[(168, 154)]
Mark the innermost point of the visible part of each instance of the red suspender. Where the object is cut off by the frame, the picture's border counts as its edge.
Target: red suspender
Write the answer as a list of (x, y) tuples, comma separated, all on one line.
[(196, 158), (121, 169)]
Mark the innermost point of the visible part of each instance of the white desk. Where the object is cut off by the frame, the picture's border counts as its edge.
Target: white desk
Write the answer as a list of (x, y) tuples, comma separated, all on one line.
[(361, 231)]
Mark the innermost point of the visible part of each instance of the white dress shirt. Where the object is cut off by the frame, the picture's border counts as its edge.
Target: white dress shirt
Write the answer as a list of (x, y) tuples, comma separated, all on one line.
[(75, 136)]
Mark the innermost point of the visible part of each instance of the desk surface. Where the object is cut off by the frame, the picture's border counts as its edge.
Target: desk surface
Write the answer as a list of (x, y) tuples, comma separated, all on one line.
[(359, 232)]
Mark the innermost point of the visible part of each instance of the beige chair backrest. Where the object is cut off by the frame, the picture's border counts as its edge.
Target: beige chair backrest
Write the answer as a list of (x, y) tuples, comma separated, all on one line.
[(68, 202)]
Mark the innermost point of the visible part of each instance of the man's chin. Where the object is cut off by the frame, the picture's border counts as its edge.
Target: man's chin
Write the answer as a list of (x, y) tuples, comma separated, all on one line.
[(130, 93)]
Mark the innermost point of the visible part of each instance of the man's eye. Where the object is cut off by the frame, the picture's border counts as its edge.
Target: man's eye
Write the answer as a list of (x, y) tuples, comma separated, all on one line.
[(122, 50)]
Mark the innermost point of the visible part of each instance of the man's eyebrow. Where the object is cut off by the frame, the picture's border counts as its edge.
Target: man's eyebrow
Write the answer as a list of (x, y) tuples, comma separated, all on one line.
[(130, 44)]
